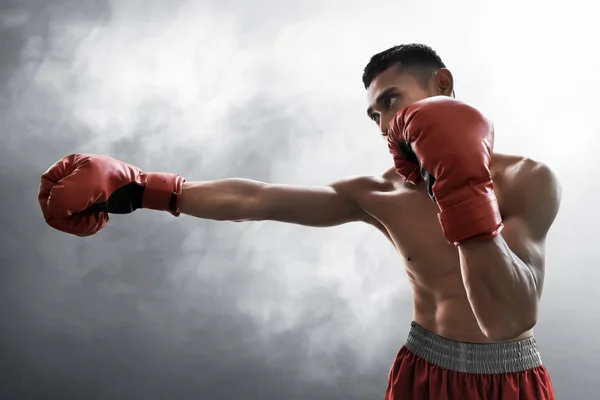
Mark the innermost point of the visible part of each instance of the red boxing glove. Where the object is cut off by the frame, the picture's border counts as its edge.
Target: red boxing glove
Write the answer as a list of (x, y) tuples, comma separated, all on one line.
[(405, 161), (77, 193), (453, 143)]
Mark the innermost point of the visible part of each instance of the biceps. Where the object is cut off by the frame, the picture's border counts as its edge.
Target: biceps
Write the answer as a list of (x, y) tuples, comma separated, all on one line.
[(311, 206), (520, 240), (524, 245)]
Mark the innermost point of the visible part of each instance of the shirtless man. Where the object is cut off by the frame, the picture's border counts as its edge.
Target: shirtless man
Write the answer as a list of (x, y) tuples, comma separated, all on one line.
[(470, 226)]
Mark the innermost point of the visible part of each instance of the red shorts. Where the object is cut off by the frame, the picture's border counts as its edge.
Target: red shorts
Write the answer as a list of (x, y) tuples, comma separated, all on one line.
[(429, 367)]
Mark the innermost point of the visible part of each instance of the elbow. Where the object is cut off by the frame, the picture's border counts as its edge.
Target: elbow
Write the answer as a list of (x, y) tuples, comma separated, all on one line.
[(251, 209), (509, 329), (507, 320), (504, 335)]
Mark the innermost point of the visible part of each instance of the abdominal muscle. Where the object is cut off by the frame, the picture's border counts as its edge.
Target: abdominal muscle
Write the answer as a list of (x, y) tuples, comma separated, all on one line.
[(448, 313), (440, 302)]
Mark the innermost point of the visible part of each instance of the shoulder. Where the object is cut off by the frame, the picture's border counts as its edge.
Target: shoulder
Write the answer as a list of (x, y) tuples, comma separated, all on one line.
[(535, 191), (362, 184), (364, 191), (533, 178)]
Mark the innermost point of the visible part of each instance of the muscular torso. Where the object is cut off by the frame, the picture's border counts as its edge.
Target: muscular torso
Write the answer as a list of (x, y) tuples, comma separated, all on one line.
[(406, 214)]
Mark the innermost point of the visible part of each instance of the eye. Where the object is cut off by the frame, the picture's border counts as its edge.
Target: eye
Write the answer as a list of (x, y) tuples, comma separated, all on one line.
[(375, 118), (389, 102)]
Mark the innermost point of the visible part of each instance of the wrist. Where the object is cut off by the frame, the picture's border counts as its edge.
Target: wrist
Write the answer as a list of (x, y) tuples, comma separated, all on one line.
[(476, 217), (162, 192)]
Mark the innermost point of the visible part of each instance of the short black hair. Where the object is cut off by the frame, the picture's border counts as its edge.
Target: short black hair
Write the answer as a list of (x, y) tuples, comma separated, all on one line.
[(418, 60)]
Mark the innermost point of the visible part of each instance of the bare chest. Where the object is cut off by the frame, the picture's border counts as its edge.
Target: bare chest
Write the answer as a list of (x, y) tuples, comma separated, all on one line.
[(411, 220)]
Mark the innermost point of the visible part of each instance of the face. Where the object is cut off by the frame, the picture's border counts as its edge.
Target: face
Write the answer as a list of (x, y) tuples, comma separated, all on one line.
[(392, 90)]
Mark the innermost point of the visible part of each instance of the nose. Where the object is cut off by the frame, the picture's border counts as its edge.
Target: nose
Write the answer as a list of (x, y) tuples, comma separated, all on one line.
[(383, 124)]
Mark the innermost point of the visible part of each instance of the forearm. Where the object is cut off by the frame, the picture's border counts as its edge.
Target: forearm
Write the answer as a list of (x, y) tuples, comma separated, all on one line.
[(501, 288), (223, 200), (247, 200)]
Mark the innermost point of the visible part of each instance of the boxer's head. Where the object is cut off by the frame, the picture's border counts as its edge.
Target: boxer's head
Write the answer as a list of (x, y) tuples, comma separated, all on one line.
[(402, 75)]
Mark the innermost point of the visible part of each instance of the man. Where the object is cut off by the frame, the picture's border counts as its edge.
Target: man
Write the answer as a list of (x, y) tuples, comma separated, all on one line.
[(470, 225)]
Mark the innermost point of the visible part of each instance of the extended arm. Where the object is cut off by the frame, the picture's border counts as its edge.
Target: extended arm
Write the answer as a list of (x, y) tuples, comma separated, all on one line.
[(78, 193), (247, 200)]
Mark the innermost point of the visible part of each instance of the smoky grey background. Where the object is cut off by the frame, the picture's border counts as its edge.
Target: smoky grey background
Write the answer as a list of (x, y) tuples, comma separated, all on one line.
[(156, 307)]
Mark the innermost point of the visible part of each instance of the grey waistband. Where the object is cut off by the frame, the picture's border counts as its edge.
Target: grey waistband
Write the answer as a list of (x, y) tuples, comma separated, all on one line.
[(494, 358)]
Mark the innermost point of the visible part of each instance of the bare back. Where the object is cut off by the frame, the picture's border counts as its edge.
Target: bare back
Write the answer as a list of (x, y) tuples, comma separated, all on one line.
[(408, 217)]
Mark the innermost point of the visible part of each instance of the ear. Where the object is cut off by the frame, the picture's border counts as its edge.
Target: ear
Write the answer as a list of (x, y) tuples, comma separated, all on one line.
[(444, 82)]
